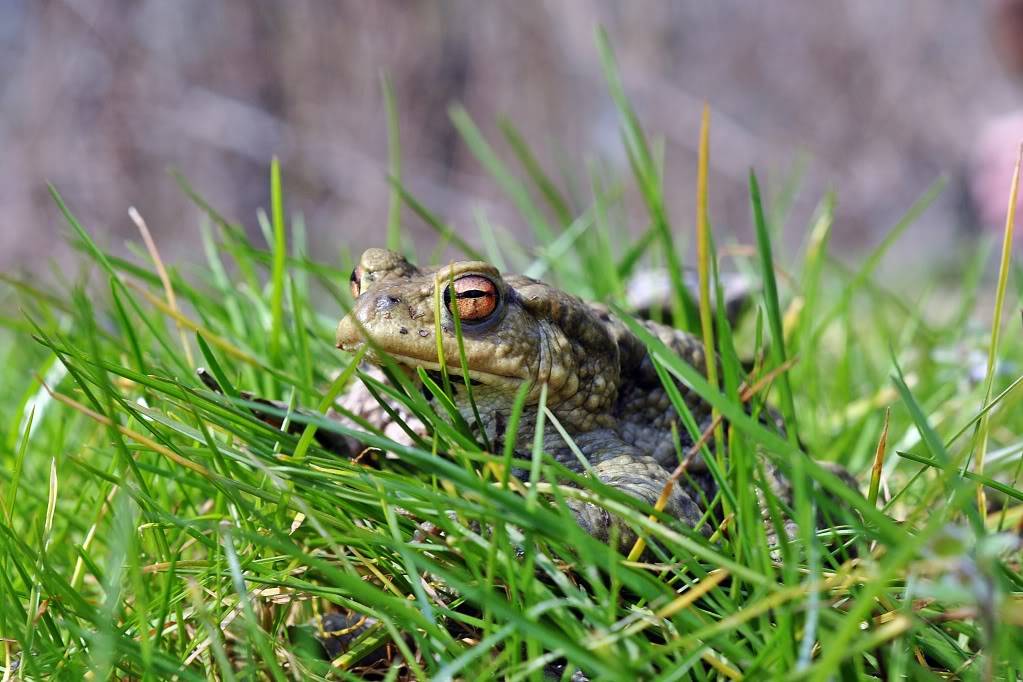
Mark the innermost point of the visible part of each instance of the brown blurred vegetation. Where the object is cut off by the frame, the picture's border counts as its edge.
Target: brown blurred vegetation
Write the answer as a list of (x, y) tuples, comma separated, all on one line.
[(101, 97)]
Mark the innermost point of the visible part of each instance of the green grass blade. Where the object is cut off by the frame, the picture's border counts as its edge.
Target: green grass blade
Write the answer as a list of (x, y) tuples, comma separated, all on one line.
[(280, 252)]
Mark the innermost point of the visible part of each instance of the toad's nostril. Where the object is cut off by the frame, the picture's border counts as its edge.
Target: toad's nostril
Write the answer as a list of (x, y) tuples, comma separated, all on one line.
[(385, 302)]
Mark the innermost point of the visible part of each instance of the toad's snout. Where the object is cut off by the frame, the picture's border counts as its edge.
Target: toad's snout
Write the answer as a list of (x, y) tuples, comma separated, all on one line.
[(371, 310), (347, 334)]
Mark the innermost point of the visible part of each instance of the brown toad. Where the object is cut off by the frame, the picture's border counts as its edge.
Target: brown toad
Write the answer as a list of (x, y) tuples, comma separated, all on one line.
[(601, 384)]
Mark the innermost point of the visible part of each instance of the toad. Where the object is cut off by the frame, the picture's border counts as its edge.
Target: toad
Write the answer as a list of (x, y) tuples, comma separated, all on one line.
[(601, 384)]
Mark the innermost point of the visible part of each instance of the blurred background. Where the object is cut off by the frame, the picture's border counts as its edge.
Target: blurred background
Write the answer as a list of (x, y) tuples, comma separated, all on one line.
[(875, 99)]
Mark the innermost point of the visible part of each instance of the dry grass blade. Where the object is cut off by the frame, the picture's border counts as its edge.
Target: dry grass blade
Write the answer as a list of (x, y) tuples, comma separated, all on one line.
[(722, 667), (703, 252), (135, 436), (683, 601), (161, 271), (703, 587), (208, 335), (875, 471)]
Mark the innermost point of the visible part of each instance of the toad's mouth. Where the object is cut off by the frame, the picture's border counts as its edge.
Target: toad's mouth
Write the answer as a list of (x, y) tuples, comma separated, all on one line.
[(432, 368), (438, 377)]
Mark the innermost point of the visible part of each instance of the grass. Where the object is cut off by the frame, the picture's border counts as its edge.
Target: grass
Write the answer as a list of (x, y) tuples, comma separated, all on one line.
[(153, 529)]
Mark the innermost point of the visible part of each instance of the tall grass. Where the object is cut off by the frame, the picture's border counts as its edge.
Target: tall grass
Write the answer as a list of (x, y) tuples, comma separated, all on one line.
[(155, 529)]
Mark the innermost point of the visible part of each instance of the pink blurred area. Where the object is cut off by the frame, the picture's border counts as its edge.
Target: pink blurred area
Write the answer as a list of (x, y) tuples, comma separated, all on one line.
[(873, 98), (991, 172)]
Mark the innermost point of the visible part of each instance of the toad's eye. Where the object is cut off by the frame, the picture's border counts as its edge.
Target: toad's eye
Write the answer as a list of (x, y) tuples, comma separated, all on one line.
[(475, 296), (355, 282)]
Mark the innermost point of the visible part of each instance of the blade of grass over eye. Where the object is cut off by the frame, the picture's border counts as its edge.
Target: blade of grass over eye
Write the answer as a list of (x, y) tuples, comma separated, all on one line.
[(438, 336), (773, 306), (393, 164), (981, 435), (464, 363), (280, 253)]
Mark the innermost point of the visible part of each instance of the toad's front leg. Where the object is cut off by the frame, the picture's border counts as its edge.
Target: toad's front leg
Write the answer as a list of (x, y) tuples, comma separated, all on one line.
[(625, 468)]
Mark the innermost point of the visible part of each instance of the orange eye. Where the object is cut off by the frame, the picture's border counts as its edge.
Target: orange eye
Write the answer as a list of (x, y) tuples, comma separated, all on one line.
[(475, 296), (355, 282)]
